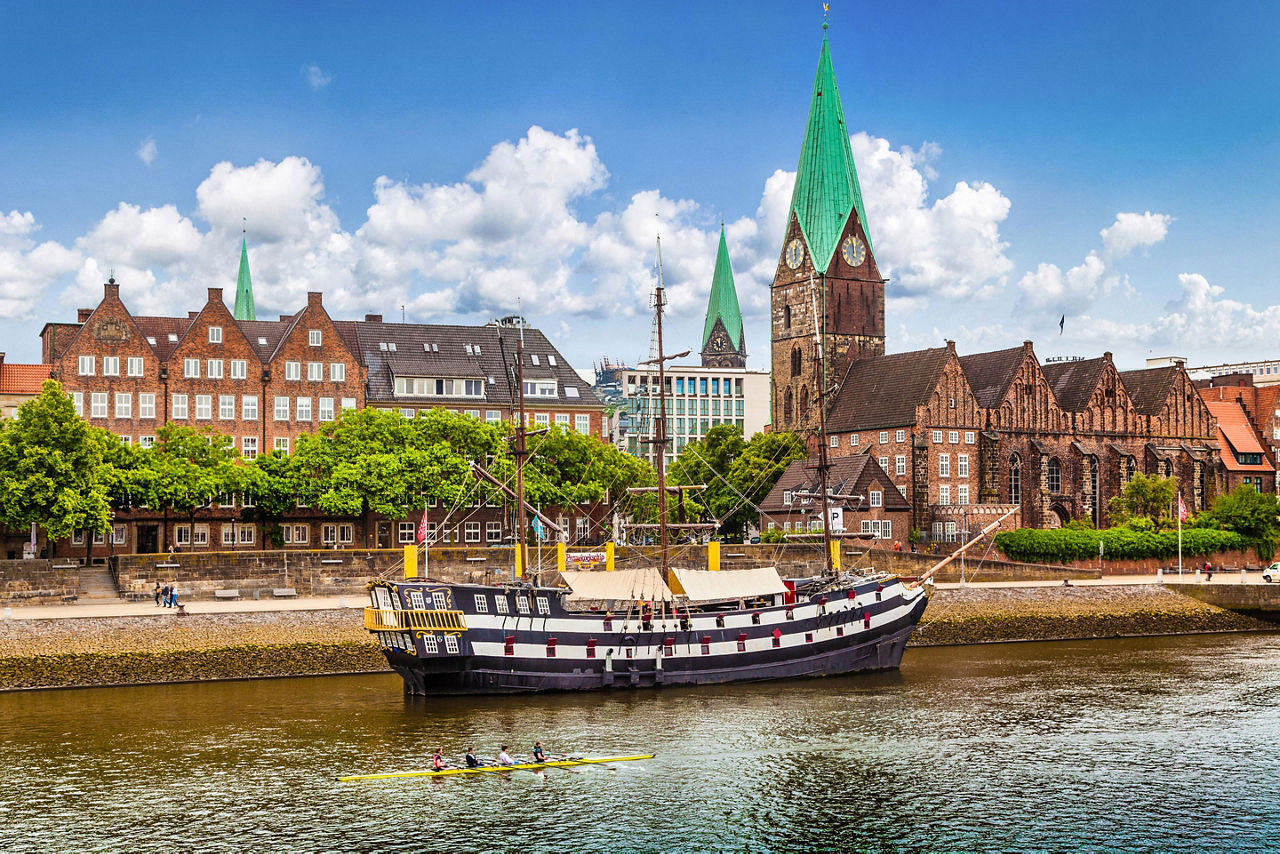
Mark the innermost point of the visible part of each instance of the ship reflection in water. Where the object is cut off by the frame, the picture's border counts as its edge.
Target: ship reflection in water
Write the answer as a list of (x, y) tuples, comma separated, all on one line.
[(1160, 744)]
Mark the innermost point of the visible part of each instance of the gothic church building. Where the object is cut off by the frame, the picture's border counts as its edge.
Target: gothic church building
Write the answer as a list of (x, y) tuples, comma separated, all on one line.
[(964, 437)]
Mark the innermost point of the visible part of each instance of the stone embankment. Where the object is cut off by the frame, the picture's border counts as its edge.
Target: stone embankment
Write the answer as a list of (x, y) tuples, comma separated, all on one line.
[(998, 614), (168, 648), (52, 653)]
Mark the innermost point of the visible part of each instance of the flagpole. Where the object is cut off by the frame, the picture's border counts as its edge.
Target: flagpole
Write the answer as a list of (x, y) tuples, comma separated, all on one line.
[(1181, 507)]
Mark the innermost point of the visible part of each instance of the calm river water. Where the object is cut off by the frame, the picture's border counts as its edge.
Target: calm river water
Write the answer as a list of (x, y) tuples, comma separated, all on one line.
[(1133, 745)]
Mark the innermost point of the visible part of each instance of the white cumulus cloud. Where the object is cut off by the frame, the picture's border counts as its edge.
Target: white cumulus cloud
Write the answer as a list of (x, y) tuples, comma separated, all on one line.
[(28, 268), (1133, 231), (147, 150)]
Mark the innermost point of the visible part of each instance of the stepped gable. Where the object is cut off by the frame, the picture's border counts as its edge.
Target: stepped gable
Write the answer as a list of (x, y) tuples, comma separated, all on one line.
[(1149, 388), (886, 391), (991, 374), (1073, 382)]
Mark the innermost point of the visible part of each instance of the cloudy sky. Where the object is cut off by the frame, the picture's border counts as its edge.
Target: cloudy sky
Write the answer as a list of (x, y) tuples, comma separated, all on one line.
[(1113, 162)]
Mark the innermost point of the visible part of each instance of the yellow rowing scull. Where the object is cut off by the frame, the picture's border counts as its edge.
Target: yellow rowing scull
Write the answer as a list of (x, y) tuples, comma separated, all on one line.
[(484, 769)]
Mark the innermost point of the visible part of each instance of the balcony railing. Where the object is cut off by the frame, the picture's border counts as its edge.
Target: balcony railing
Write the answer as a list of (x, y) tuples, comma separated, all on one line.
[(394, 620)]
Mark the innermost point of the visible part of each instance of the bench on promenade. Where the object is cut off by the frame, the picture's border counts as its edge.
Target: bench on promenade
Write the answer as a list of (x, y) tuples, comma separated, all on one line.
[(69, 598), (137, 596), (226, 594), (284, 593)]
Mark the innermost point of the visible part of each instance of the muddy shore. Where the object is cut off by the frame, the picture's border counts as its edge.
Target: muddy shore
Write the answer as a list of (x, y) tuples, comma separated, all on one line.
[(166, 648)]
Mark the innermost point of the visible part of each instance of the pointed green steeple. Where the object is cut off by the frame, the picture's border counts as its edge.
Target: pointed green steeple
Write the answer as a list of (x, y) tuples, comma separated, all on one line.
[(244, 288), (826, 182), (724, 300)]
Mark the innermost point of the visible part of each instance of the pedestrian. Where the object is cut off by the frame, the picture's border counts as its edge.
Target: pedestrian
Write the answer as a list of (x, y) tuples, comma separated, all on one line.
[(164, 596), (170, 551), (1208, 572), (173, 598), (157, 596), (897, 546), (913, 548)]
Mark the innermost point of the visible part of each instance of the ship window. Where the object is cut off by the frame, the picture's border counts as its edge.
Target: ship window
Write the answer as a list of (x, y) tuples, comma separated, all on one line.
[(591, 647), (430, 644), (451, 643), (439, 600), (608, 624), (839, 631), (482, 604), (544, 607), (791, 613), (382, 598), (551, 647), (755, 618), (509, 645), (706, 645), (742, 642), (522, 604), (416, 601), (719, 621), (777, 637), (668, 646), (808, 637), (631, 652), (500, 605)]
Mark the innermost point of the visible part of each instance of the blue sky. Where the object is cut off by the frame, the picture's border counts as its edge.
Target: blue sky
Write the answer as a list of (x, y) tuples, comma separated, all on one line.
[(1113, 162)]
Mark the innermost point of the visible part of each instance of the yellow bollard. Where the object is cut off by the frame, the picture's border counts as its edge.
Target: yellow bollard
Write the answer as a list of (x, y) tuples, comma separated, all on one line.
[(410, 561), (560, 556), (608, 557), (835, 554), (713, 556)]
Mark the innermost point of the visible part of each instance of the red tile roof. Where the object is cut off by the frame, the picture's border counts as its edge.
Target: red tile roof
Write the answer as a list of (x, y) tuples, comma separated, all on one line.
[(23, 379), (1236, 433)]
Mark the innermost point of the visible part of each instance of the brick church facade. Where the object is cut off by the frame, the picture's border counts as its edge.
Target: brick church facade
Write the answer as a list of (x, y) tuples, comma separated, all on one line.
[(962, 437)]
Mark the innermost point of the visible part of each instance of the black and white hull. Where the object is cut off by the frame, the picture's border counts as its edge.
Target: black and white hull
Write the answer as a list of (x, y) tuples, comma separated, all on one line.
[(473, 639)]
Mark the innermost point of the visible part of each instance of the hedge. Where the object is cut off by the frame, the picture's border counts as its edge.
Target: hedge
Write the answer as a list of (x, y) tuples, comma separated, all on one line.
[(1063, 546)]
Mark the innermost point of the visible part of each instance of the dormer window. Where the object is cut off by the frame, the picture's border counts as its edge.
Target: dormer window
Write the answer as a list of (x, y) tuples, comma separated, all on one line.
[(533, 357), (382, 345), (215, 334), (476, 348), (539, 388), (313, 337), (551, 360), (439, 387), (570, 391), (391, 345), (151, 339), (173, 338), (467, 347)]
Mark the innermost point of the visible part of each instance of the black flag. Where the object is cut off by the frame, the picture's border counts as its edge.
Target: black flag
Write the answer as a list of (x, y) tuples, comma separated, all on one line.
[(1062, 324)]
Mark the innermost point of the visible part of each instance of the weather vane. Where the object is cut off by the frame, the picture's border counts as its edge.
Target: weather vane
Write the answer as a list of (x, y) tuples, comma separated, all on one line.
[(826, 12)]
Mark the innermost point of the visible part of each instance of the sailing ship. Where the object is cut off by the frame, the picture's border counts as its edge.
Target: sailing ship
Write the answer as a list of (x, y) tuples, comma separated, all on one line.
[(646, 626)]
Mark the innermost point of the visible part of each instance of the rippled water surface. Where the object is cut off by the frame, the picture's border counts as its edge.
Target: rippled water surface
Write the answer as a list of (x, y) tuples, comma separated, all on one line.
[(1163, 744)]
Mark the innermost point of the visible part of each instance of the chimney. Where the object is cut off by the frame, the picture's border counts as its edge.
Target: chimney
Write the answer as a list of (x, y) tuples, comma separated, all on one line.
[(111, 289), (285, 317), (1107, 355), (215, 294), (313, 299), (192, 315), (951, 346), (83, 314), (373, 318)]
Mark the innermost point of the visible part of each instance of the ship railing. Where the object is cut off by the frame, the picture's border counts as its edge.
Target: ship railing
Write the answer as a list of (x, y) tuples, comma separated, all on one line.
[(394, 620)]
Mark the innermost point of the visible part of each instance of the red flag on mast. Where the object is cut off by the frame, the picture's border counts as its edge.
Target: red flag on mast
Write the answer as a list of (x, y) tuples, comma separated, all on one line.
[(422, 526), (1182, 509)]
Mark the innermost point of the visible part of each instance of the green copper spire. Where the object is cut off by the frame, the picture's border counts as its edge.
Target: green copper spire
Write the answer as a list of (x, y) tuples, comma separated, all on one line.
[(724, 300), (826, 181), (244, 288)]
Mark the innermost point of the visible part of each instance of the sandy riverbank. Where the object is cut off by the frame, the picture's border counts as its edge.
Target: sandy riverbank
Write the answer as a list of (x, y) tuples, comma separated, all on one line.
[(122, 650)]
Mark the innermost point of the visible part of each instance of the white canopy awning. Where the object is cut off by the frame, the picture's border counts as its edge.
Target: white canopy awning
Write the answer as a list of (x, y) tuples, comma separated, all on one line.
[(702, 585), (620, 585)]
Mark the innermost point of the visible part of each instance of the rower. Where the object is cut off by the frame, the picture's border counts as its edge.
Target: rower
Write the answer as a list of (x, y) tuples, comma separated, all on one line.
[(437, 761), (472, 761), (504, 758), (539, 755)]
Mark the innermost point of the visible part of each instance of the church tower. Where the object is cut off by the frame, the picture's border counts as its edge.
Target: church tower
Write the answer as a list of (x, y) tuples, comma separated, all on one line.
[(245, 309), (723, 344), (827, 271)]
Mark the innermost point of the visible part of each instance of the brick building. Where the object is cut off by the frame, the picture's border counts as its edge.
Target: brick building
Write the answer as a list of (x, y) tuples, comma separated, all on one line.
[(878, 509), (998, 429), (18, 384), (264, 383)]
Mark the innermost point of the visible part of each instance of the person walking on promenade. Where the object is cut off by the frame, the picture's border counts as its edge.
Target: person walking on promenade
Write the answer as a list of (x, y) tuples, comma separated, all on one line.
[(157, 596)]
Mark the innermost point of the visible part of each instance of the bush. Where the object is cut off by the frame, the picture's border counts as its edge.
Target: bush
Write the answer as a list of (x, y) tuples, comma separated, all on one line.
[(1066, 545), (772, 536)]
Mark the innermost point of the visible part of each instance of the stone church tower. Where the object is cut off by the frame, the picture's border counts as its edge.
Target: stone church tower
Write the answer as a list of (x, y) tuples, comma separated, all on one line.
[(827, 272), (723, 344)]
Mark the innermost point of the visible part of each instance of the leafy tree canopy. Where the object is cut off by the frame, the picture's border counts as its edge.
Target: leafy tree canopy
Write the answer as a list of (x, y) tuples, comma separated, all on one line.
[(1143, 497), (738, 474)]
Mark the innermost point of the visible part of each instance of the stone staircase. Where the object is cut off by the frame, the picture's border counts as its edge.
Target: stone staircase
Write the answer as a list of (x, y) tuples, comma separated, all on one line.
[(96, 582)]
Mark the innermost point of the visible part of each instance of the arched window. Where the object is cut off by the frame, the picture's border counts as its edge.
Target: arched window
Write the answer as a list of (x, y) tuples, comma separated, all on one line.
[(786, 317), (1015, 479), (1131, 468), (804, 401), (1055, 476), (795, 361), (786, 407)]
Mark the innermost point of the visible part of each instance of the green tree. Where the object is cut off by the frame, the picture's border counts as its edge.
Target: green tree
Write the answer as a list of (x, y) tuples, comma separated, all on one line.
[(56, 470), (1143, 497), (275, 483), (1251, 514), (188, 468), (738, 474)]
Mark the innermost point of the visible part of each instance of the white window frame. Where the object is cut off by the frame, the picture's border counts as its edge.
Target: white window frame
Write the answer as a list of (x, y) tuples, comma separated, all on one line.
[(877, 498), (962, 465), (338, 372), (953, 437), (111, 366), (944, 494), (500, 604), (326, 409), (135, 366), (87, 366), (346, 532), (239, 369), (900, 465), (248, 534), (249, 447), (182, 535), (280, 443), (472, 532), (900, 436), (884, 437), (215, 334), (226, 407), (146, 404), (213, 368), (302, 411), (969, 437), (406, 533), (204, 407), (315, 372), (944, 465), (124, 404), (191, 369), (937, 437), (281, 410), (314, 337), (98, 404), (293, 371), (180, 407), (249, 407), (962, 494), (493, 531), (582, 423)]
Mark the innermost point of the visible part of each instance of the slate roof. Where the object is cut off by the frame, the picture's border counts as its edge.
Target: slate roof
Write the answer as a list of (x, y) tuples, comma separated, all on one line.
[(885, 391), (160, 328), (826, 187), (1073, 382), (450, 351), (844, 477), (991, 374), (1149, 388)]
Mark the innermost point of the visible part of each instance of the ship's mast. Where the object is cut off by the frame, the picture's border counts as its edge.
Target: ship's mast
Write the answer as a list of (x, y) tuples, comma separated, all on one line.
[(823, 465), (660, 439), (520, 453)]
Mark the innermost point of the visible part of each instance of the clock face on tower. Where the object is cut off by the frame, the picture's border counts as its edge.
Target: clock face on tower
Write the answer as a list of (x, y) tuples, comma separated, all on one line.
[(853, 250), (719, 344), (795, 253)]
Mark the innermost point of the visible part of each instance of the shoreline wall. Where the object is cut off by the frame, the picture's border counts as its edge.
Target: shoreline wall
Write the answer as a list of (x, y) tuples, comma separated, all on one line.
[(164, 648)]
